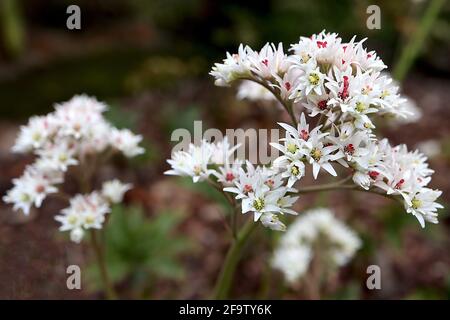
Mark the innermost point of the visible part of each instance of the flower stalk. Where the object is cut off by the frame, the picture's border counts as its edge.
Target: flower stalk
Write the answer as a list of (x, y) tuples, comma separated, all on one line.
[(99, 252), (234, 254)]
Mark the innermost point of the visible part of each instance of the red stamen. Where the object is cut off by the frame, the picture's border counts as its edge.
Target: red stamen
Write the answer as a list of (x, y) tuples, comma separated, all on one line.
[(350, 149), (270, 183), (265, 62), (248, 188), (373, 174), (322, 104), (229, 177), (287, 85), (321, 44), (344, 94), (399, 184), (304, 135)]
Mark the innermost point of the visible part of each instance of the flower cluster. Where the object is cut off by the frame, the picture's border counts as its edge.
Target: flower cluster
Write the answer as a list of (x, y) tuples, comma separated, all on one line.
[(88, 211), (323, 74), (260, 190), (75, 135), (315, 231), (340, 86)]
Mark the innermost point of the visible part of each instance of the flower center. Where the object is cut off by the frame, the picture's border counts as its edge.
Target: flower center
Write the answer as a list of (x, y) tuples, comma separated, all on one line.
[(197, 170), (270, 183), (350, 149), (62, 157), (258, 204), (373, 174), (295, 170), (25, 197), (316, 154), (90, 219), (304, 134), (384, 94), (367, 125), (292, 147), (416, 203), (72, 220), (322, 104), (361, 107), (40, 188), (314, 78), (36, 136), (229, 177), (366, 90)]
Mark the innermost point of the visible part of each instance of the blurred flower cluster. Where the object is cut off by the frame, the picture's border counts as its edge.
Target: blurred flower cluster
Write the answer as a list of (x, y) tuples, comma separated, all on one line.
[(316, 232), (340, 87), (75, 135)]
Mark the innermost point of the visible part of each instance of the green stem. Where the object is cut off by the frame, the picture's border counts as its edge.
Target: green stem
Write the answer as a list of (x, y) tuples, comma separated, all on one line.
[(328, 186), (100, 256), (11, 21), (340, 186), (413, 47), (225, 278)]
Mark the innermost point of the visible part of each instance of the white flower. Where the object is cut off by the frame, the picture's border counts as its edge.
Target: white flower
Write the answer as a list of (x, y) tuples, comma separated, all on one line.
[(311, 81), (317, 229), (431, 148), (126, 142), (85, 212), (293, 170), (292, 261), (234, 67), (193, 163), (270, 61), (30, 189), (271, 221), (114, 190), (57, 157), (34, 135), (320, 155), (422, 204), (76, 235), (352, 146), (361, 179), (261, 200), (228, 173), (222, 152), (342, 86)]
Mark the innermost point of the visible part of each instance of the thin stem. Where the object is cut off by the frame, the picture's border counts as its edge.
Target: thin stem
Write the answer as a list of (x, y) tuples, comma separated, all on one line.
[(329, 186), (412, 49), (338, 186), (225, 278), (100, 256)]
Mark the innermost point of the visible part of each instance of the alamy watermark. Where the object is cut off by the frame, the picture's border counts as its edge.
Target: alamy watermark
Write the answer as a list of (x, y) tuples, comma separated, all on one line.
[(73, 22), (374, 19), (254, 144), (374, 280), (73, 281)]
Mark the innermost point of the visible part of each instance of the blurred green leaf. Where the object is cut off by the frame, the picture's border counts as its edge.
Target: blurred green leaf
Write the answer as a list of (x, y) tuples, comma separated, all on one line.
[(140, 249)]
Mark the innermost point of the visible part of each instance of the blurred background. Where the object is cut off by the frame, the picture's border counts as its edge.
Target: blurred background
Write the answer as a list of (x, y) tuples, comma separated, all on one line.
[(149, 60)]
